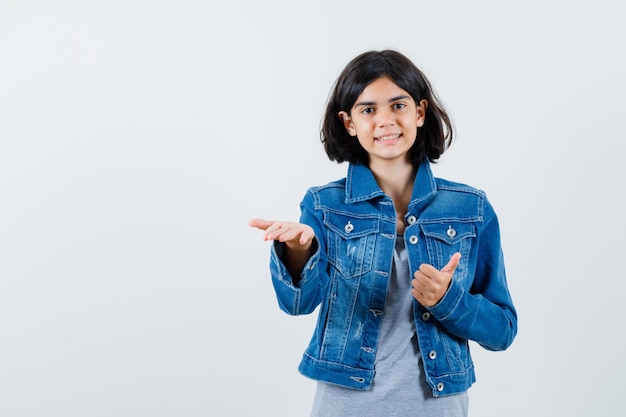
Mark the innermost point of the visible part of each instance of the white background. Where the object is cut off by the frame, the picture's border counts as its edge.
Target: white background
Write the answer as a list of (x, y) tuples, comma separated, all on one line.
[(138, 137)]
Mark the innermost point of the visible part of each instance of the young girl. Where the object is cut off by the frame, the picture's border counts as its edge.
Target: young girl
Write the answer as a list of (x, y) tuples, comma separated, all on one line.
[(406, 267)]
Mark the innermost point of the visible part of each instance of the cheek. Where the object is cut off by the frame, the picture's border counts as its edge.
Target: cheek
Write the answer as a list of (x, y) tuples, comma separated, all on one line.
[(364, 143), (359, 128)]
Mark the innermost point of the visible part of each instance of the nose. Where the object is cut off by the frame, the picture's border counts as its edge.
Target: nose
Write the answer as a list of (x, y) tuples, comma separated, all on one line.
[(385, 117)]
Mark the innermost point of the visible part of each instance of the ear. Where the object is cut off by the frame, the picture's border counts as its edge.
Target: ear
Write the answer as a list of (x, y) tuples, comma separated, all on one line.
[(347, 123), (421, 112)]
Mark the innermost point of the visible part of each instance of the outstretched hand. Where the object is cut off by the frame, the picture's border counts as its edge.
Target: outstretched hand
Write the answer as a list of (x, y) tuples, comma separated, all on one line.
[(297, 236), (430, 284)]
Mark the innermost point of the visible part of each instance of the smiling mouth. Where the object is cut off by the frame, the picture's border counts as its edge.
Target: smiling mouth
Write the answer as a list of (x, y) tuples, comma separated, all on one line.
[(386, 138)]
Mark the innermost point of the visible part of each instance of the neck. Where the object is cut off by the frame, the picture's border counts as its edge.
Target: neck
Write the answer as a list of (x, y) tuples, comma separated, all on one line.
[(396, 180)]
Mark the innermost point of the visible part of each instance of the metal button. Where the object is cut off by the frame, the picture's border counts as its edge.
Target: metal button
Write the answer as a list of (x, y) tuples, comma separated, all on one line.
[(432, 354), (411, 219), (413, 239), (349, 227), (426, 316), (451, 232), (440, 386)]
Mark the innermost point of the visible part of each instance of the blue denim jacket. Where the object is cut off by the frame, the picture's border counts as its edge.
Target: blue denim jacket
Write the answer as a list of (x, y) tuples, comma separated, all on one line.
[(355, 227)]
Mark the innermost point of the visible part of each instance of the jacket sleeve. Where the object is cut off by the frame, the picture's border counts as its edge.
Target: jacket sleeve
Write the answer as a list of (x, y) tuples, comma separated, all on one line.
[(485, 313), (303, 295)]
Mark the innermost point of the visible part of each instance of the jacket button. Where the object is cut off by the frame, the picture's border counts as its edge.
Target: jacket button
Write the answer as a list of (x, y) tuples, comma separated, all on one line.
[(411, 219), (348, 227), (451, 232), (440, 386), (426, 316), (432, 354), (413, 239)]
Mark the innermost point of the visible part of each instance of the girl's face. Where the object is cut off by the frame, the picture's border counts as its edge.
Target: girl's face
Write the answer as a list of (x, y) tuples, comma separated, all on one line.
[(385, 119)]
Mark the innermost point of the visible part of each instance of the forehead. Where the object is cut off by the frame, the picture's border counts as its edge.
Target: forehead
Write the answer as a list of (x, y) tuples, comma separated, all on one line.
[(381, 90)]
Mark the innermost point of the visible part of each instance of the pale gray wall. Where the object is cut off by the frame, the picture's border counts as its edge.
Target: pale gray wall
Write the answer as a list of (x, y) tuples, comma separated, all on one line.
[(138, 138)]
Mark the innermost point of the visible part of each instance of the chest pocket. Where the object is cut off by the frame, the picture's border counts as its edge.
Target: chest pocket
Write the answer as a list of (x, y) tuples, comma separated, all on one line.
[(351, 243), (444, 239)]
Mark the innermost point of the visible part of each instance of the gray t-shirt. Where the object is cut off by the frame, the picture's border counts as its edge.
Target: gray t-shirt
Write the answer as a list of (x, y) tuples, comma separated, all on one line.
[(399, 387)]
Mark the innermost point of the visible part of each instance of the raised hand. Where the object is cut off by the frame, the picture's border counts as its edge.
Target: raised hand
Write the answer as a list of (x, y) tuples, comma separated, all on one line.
[(430, 284)]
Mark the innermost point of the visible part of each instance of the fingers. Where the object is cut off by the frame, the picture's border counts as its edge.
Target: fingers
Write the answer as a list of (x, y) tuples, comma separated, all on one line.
[(296, 235), (420, 285), (279, 231), (272, 228), (430, 285), (307, 236), (260, 223), (269, 226)]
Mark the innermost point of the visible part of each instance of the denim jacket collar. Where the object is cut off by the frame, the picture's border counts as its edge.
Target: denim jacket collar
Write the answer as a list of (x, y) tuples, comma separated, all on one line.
[(361, 185)]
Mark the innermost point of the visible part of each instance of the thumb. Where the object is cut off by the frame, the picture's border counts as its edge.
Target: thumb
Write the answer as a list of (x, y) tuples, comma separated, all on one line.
[(452, 263)]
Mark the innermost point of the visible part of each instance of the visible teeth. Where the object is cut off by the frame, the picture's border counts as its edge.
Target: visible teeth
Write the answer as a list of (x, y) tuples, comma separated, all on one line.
[(392, 137)]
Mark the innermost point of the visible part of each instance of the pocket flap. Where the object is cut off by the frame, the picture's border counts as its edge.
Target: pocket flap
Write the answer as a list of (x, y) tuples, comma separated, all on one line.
[(450, 233), (350, 227)]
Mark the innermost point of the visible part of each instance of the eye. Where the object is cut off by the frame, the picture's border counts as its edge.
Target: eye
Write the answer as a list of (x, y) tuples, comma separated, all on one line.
[(367, 110), (398, 106)]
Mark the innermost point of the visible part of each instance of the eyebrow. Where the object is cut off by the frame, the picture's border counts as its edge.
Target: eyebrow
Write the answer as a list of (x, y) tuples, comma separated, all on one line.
[(391, 100)]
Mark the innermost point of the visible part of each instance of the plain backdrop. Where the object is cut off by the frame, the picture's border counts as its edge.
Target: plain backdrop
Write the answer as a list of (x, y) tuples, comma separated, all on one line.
[(137, 138)]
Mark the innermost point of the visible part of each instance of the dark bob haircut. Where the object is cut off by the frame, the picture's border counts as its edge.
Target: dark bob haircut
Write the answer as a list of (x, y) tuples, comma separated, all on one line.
[(433, 138)]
